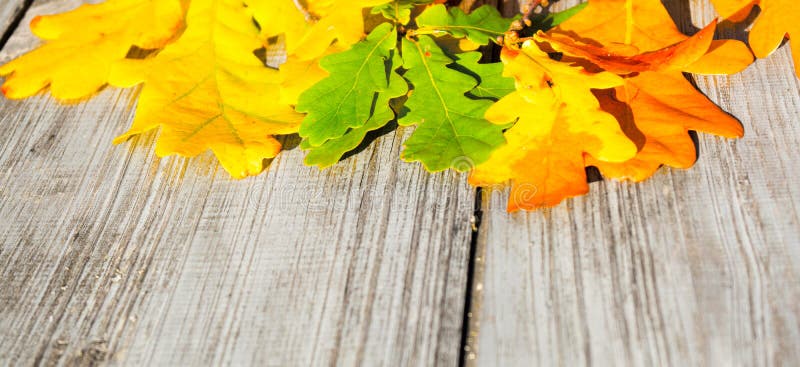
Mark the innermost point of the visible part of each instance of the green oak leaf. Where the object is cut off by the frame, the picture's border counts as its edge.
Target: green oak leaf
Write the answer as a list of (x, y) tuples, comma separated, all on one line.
[(399, 10), (491, 82), (450, 129), (331, 151), (482, 26), (345, 99)]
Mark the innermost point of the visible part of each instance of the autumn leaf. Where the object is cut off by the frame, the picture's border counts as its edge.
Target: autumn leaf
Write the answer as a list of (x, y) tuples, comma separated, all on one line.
[(450, 124), (647, 26), (399, 10), (658, 106), (285, 18), (482, 26), (355, 98), (657, 114), (298, 75), (674, 57), (559, 123), (492, 84), (345, 99), (604, 88), (332, 150), (209, 91), (778, 19), (299, 25), (82, 45), (310, 27)]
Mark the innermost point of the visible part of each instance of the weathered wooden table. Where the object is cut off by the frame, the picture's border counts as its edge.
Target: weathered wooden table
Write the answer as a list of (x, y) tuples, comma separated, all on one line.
[(109, 255)]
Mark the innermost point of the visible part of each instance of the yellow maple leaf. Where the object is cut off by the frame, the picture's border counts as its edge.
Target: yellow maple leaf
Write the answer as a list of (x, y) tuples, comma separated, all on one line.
[(778, 19), (81, 46), (209, 91), (559, 123)]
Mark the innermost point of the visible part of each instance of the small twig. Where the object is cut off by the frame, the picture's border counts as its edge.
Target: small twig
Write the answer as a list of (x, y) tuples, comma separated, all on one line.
[(299, 5)]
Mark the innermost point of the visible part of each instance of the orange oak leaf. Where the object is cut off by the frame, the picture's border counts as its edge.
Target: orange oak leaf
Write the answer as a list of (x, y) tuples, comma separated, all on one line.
[(656, 105), (208, 91), (647, 26), (678, 56), (778, 19), (559, 123), (82, 45), (657, 114)]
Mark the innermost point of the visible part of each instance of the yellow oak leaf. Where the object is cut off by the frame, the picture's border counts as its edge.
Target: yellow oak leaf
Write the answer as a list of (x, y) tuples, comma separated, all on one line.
[(325, 21), (559, 123), (281, 17), (298, 75), (778, 19), (209, 91), (83, 44), (655, 105)]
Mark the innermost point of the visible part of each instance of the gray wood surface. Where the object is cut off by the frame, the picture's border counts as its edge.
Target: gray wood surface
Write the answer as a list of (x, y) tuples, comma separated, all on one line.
[(696, 267), (108, 254), (111, 256), (9, 10)]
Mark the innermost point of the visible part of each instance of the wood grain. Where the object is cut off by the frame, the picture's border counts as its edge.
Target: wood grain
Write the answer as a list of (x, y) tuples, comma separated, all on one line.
[(9, 11), (112, 255), (109, 254), (696, 267)]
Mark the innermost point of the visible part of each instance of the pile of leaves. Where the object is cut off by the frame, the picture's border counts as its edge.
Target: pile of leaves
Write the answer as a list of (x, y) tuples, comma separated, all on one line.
[(601, 84)]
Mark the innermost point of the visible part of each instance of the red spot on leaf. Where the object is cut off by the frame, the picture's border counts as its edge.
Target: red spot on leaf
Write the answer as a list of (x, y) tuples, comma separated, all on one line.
[(427, 54)]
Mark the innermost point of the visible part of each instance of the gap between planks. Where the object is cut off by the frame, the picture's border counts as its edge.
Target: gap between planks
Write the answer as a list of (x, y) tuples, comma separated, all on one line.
[(11, 14)]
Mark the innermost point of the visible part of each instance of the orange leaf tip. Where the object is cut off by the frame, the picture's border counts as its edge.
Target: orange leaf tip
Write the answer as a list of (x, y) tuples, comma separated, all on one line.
[(35, 21)]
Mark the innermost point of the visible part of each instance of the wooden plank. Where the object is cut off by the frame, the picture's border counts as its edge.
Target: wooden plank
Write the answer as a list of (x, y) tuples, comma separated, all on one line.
[(693, 267), (9, 10), (111, 254)]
